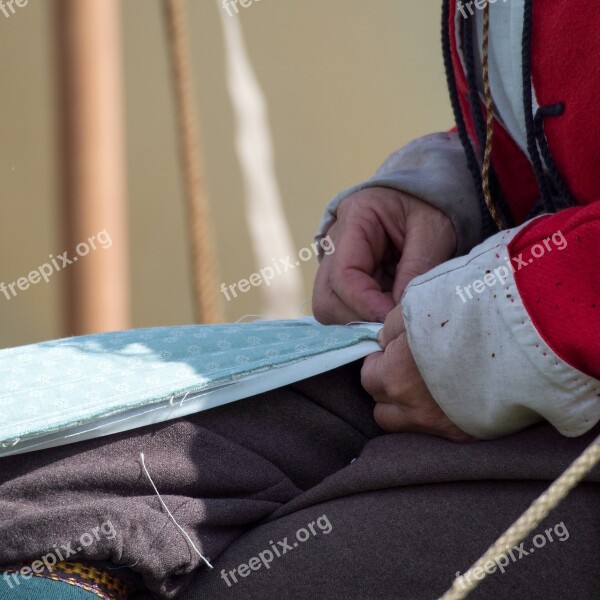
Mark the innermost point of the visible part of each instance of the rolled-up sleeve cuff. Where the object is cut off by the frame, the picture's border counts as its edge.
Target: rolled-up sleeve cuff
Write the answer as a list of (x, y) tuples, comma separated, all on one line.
[(481, 356)]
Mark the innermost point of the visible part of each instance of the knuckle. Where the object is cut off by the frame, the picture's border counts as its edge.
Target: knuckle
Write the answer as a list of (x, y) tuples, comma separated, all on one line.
[(321, 308), (318, 311), (389, 325), (338, 281), (322, 313), (355, 206), (393, 387), (381, 416), (366, 380)]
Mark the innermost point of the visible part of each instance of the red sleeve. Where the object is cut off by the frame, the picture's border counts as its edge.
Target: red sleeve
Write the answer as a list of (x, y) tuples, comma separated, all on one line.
[(557, 263)]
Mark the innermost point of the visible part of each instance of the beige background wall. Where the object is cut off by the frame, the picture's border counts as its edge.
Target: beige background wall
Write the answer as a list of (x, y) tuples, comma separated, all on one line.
[(347, 82)]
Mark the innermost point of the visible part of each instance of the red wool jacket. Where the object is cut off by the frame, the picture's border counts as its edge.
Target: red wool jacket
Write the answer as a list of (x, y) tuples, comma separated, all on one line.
[(561, 292)]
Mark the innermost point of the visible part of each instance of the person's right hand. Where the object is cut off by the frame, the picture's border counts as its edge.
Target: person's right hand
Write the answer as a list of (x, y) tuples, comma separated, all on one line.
[(383, 238)]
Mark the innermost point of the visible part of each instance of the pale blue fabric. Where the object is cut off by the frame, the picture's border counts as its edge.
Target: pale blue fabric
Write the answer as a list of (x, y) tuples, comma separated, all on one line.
[(51, 386)]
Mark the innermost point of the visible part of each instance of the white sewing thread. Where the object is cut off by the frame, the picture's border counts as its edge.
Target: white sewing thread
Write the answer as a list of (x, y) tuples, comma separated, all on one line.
[(256, 317), (187, 537), (181, 402), (123, 567)]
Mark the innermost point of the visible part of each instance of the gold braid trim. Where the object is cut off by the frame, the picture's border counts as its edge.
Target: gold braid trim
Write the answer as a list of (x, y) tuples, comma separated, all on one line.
[(489, 133)]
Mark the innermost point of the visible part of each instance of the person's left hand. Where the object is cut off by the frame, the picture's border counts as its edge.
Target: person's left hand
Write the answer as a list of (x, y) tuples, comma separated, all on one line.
[(393, 380)]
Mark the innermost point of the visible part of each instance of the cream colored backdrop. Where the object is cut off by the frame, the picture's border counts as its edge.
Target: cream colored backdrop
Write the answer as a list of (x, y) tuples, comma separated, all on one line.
[(346, 81)]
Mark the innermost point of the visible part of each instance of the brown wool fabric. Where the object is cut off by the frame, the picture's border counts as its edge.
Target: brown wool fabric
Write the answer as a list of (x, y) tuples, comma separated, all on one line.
[(408, 513)]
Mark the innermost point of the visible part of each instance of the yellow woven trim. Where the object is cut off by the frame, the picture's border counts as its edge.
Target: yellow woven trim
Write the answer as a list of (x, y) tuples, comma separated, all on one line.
[(92, 576), (102, 584)]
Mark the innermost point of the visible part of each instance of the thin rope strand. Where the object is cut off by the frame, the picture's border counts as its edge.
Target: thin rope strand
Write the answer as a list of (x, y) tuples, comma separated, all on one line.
[(187, 537), (528, 521)]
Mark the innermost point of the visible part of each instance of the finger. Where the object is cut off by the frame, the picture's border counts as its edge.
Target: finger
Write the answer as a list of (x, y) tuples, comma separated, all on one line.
[(363, 296), (369, 375), (396, 358), (405, 404), (417, 258), (352, 276), (388, 413), (392, 328), (429, 242), (327, 307), (401, 363), (391, 417)]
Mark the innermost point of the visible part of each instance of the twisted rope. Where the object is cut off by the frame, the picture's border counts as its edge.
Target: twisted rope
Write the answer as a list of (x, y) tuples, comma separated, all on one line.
[(207, 306), (528, 521), (489, 133)]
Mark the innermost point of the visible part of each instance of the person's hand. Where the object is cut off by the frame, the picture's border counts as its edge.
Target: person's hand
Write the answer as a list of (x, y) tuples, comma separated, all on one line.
[(403, 402), (382, 238)]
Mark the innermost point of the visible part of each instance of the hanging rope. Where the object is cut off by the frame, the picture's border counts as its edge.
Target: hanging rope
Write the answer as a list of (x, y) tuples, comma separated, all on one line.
[(489, 133), (205, 282), (528, 521)]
